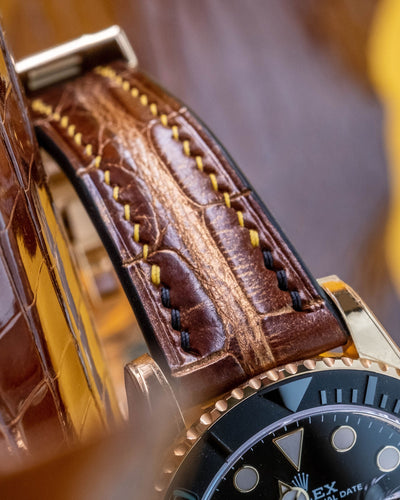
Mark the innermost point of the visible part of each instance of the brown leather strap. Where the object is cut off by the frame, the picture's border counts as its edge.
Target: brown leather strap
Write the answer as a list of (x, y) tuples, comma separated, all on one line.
[(52, 386), (216, 287)]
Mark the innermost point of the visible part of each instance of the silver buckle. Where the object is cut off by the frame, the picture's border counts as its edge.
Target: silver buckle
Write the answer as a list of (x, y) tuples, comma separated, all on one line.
[(73, 58)]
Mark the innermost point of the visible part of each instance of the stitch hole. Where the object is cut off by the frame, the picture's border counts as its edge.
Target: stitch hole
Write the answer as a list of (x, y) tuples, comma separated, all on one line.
[(164, 120), (153, 109), (185, 341), (199, 162), (175, 319), (268, 259), (185, 344), (165, 297), (175, 132), (254, 238), (144, 100), (296, 300), (282, 280), (155, 274)]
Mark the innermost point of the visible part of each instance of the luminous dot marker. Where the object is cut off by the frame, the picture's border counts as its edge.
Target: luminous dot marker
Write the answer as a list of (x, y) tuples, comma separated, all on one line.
[(388, 459), (246, 479), (344, 438)]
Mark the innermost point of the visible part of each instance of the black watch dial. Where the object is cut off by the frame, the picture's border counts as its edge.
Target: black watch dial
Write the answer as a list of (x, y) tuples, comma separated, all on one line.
[(341, 453), (322, 435)]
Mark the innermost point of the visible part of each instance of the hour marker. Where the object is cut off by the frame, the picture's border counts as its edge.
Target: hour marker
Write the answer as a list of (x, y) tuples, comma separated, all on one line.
[(283, 488), (324, 399), (344, 438), (246, 479), (354, 395), (291, 446), (397, 407), (388, 459), (338, 395), (288, 492)]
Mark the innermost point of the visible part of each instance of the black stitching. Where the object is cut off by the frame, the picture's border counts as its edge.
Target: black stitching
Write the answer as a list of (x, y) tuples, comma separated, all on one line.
[(282, 280), (175, 319), (165, 297), (268, 260), (296, 300), (185, 341)]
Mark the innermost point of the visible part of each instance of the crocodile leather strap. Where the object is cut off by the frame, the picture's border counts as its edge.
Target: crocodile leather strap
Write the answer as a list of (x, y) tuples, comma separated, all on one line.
[(218, 292), (52, 385)]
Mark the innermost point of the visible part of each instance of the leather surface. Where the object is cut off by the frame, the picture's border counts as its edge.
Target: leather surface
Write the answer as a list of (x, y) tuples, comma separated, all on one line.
[(216, 288), (52, 389)]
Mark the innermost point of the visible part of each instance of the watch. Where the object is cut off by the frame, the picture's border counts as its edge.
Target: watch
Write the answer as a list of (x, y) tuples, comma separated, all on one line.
[(282, 387)]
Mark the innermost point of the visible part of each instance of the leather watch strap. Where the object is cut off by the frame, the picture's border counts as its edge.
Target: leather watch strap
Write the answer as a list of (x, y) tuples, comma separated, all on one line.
[(54, 387), (216, 287)]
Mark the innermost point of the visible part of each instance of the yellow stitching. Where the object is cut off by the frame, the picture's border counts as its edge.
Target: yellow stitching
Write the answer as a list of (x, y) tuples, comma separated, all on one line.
[(38, 105), (153, 109), (186, 147), (164, 120), (214, 182), (78, 139), (199, 163), (118, 80), (175, 132), (254, 238), (155, 274), (227, 199), (136, 229)]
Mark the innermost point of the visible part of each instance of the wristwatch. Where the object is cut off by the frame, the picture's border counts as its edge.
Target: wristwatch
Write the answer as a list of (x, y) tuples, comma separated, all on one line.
[(283, 387)]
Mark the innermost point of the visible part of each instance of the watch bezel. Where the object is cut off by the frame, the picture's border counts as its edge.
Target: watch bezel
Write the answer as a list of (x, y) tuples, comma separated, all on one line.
[(215, 411)]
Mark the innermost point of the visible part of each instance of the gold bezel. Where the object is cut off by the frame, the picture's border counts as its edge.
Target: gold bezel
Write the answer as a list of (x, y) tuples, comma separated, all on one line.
[(219, 408)]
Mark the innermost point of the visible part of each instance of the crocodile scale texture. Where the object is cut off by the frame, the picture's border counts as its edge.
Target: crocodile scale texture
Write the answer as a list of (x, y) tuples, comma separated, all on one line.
[(216, 288), (52, 387)]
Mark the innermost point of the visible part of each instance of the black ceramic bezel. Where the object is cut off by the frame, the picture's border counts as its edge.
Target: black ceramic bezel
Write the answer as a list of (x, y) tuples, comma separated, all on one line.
[(248, 416)]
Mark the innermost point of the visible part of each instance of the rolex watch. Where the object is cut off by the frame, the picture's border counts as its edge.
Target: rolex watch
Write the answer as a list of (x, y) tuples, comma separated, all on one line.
[(278, 386)]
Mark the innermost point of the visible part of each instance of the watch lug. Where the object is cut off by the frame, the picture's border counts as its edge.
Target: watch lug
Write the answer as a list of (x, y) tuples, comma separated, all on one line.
[(150, 396), (370, 338)]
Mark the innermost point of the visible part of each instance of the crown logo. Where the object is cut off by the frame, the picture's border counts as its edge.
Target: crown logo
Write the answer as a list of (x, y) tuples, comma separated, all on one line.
[(301, 480)]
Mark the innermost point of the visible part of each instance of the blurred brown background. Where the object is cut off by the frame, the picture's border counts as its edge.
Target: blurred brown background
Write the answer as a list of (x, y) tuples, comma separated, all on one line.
[(285, 87)]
